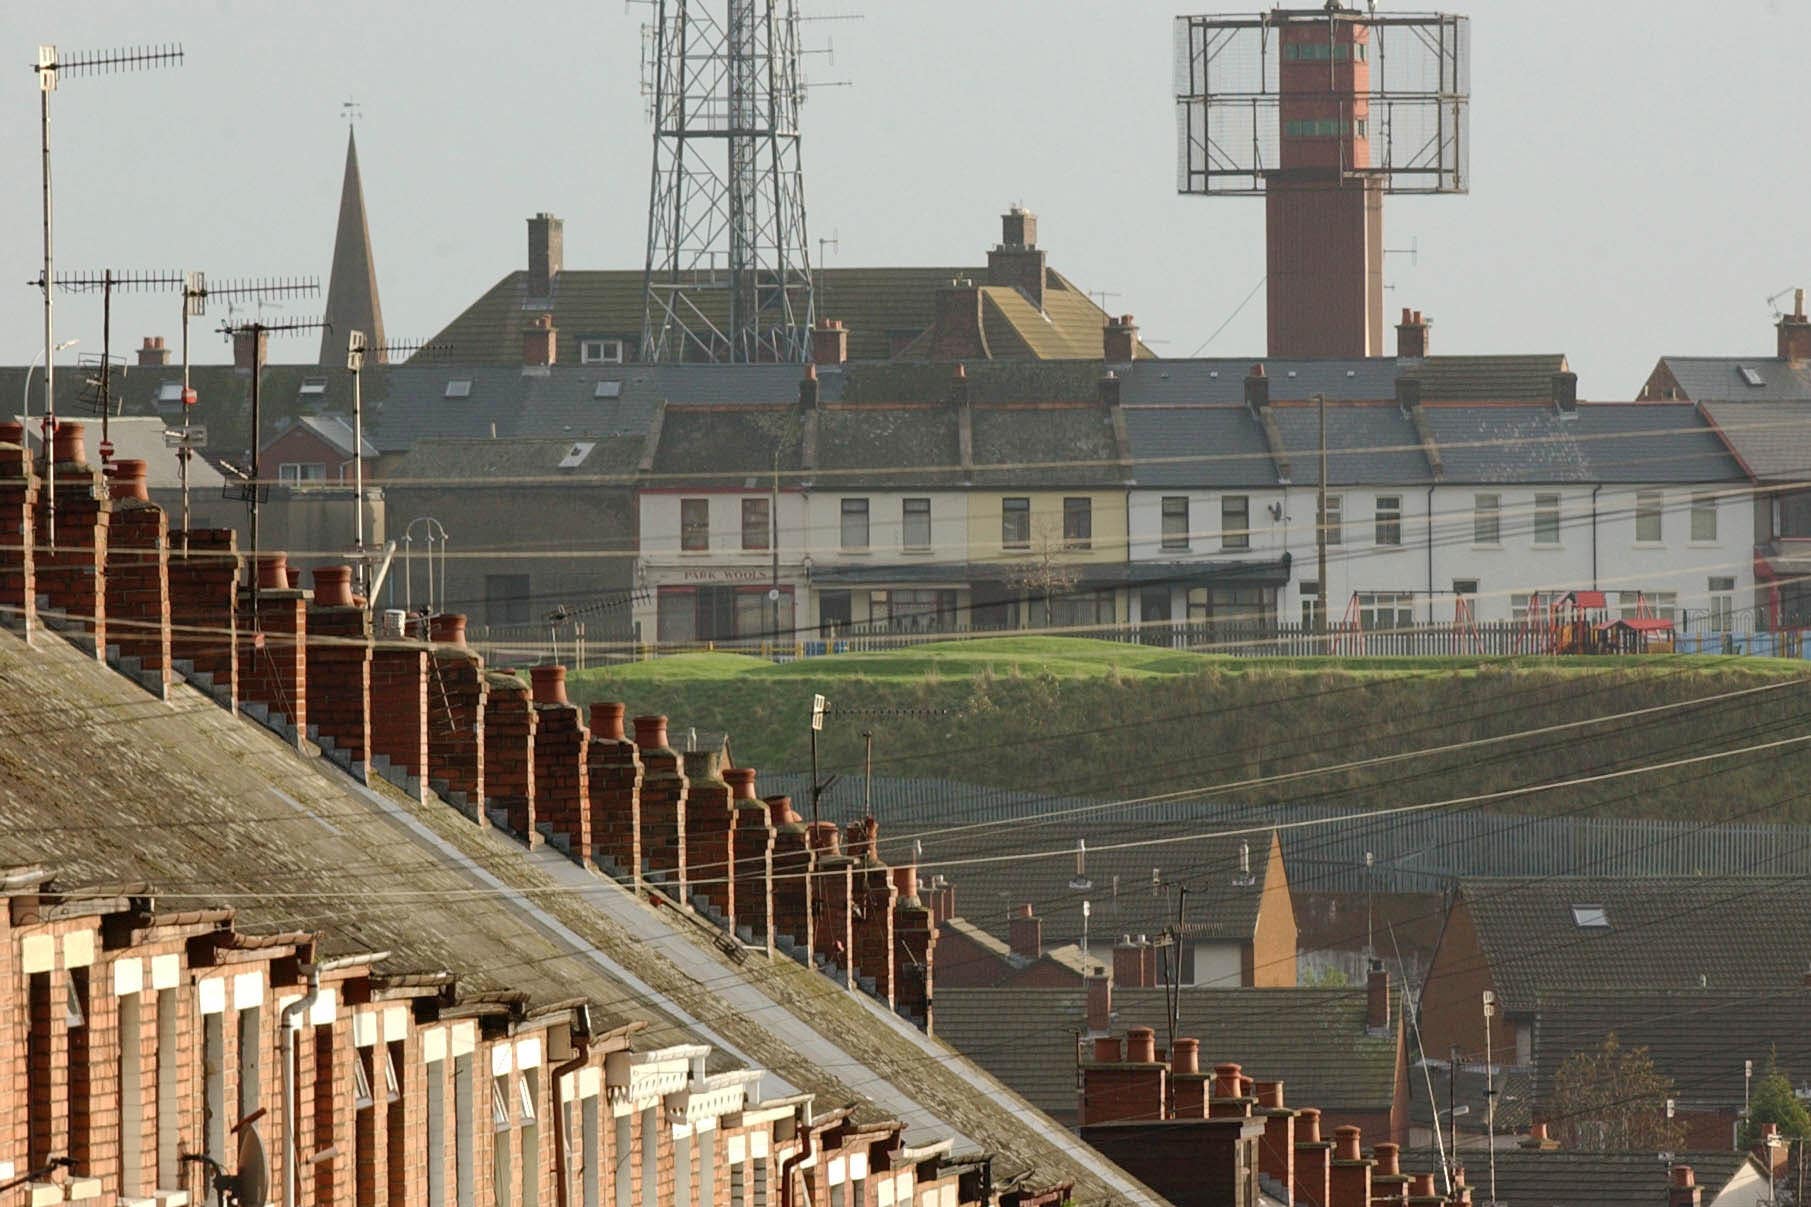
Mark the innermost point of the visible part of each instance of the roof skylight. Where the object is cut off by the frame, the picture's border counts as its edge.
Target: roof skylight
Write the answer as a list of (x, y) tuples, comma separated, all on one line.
[(1751, 375), (459, 387), (1592, 916), (608, 389)]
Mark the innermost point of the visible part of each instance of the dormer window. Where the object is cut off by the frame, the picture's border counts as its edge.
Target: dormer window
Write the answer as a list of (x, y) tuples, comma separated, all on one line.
[(600, 352)]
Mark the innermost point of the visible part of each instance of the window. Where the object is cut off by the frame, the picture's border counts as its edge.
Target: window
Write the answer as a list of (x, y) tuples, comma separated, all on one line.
[(1323, 52), (529, 1086), (608, 389), (499, 1144), (1648, 505), (396, 1153), (169, 391), (313, 387), (1661, 604), (459, 387), (436, 1076), (1311, 604), (131, 1093), (694, 525), (1546, 519), (250, 1045), (915, 525), (1519, 603), (600, 352), (682, 1169), (650, 1157), (589, 1153), (1321, 127), (760, 1182), (1486, 519), (1590, 916), (1175, 522), (364, 1138), (1722, 604), (76, 1052), (1333, 520), (168, 1093), (1078, 523), (1467, 587), (464, 1110), (624, 1169), (1385, 611), (1751, 375), (301, 471), (1082, 608), (1704, 517), (1235, 522), (707, 1167), (855, 524), (361, 1079), (1388, 520), (506, 599), (1015, 523), (213, 1090), (757, 526)]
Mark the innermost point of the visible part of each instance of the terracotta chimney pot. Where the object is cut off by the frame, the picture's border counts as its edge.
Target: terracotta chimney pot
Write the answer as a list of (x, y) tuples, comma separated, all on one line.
[(905, 881), (333, 586), (1270, 1094), (651, 732), (273, 571), (549, 684), (741, 781), (607, 721), (1421, 1186), (1387, 1155), (68, 445), (1141, 1046), (781, 810), (448, 628), (1308, 1125), (1186, 1058), (1346, 1143), (1226, 1081), (129, 480), (1106, 1049)]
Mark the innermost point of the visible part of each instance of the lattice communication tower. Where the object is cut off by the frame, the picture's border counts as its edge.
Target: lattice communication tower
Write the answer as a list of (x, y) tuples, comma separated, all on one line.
[(1322, 112), (728, 274)]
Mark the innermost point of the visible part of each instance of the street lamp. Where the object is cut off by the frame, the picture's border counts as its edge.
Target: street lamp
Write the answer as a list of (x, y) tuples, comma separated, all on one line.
[(25, 394)]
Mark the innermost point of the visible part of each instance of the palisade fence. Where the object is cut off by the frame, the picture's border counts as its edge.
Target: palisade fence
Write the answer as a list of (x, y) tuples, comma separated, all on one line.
[(1414, 853), (519, 644)]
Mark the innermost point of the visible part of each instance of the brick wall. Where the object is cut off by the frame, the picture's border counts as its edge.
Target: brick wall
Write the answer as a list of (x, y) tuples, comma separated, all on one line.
[(274, 661), (399, 706), (70, 559), (710, 834), (562, 780), (204, 585), (339, 681), (663, 795), (458, 693), (794, 885), (18, 503), (753, 856)]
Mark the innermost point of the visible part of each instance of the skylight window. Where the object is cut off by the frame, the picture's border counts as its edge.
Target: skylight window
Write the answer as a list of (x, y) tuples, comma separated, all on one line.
[(459, 387), (1751, 375), (608, 389), (1590, 916), (169, 391), (313, 387), (575, 456)]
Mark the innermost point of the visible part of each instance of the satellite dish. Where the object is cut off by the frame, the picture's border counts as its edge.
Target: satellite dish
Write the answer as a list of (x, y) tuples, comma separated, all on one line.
[(250, 1186)]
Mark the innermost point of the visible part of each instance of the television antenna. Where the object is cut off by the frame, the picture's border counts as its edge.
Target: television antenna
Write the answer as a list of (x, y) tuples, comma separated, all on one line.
[(249, 1184), (50, 68), (252, 487), (358, 347), (1791, 291)]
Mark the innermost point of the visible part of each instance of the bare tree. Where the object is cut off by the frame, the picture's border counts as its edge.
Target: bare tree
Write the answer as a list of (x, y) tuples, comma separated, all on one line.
[(1045, 572), (1613, 1098)]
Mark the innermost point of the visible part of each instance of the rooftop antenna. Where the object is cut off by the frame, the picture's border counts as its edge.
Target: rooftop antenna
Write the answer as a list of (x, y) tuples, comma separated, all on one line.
[(728, 270), (1080, 882), (352, 111), (50, 68), (358, 347), (106, 282), (1791, 291), (253, 486)]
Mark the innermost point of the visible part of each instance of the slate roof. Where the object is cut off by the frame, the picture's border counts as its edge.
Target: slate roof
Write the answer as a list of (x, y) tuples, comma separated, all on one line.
[(1354, 379), (521, 462), (984, 381), (721, 442), (1569, 1178), (987, 893), (335, 430), (1045, 445), (141, 438), (1720, 378), (852, 439), (1663, 933), (1697, 1037), (1606, 442), (1514, 1089), (1314, 1040), (1772, 440), (1192, 446), (1365, 444)]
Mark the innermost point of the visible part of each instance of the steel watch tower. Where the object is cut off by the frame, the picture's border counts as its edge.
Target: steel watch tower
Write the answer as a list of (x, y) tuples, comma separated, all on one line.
[(1322, 112), (728, 274)]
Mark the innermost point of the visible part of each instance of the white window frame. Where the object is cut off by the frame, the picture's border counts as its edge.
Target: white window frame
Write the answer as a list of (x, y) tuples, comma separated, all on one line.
[(1487, 520), (1548, 507), (601, 352), (291, 472), (1704, 507), (908, 517), (1387, 510), (1650, 507), (1177, 542)]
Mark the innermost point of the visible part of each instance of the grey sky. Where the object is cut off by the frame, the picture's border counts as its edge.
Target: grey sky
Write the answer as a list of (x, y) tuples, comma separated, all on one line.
[(1638, 172)]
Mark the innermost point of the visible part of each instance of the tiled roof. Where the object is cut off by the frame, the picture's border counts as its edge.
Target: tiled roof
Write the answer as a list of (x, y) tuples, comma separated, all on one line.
[(1194, 446), (1484, 378), (1471, 1088), (336, 431), (726, 441), (1366, 444), (1697, 1037), (1721, 378), (1662, 933), (852, 438), (1314, 1040), (983, 381), (1120, 897), (1566, 1178), (1771, 439)]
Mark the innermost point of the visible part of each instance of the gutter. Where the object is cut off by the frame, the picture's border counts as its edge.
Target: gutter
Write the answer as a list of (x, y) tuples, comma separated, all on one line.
[(799, 1160), (291, 1184), (1430, 554)]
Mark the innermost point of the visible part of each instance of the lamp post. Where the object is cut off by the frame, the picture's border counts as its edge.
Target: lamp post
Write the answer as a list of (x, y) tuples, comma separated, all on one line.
[(25, 394)]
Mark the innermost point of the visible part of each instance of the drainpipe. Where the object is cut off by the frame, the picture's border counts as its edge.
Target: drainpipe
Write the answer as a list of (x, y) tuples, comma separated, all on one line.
[(1594, 491), (581, 1051), (1430, 555), (291, 1184), (791, 1165)]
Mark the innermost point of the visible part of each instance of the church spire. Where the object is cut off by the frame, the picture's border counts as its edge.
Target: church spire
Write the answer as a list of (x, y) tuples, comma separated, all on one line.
[(352, 289)]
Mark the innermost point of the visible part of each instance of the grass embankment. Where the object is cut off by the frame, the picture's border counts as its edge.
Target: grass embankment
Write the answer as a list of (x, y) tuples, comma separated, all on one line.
[(1099, 719)]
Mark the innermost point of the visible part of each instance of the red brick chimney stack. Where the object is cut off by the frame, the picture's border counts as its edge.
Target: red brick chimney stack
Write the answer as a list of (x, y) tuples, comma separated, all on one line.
[(540, 342), (1795, 331), (245, 348), (1349, 1183), (1539, 1138), (1411, 335), (1100, 1003), (1377, 999), (546, 253), (830, 342), (1025, 933), (1119, 340), (1257, 389), (152, 354), (1684, 1190)]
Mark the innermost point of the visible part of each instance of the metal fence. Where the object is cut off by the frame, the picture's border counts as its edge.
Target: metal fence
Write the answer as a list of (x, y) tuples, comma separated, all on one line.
[(1412, 852)]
